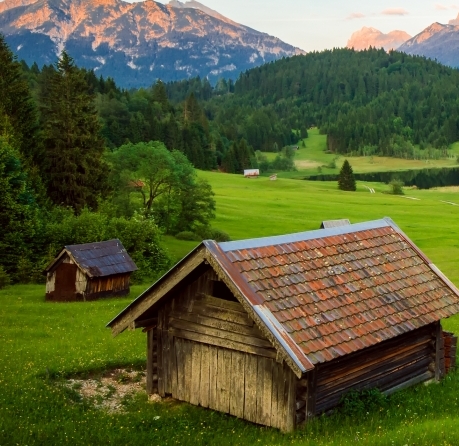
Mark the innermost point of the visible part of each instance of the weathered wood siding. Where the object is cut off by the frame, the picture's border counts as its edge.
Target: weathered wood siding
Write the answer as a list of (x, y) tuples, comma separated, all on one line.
[(210, 353), (116, 285), (67, 282), (60, 282), (401, 361)]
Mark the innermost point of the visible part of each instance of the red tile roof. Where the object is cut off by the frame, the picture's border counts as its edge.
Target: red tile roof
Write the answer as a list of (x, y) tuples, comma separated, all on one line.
[(339, 290)]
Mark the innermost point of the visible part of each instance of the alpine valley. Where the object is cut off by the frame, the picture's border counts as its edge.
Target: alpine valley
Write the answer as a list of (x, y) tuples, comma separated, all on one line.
[(137, 43)]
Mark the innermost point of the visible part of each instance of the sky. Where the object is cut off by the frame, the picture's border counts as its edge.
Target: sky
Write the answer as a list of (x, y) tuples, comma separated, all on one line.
[(324, 24)]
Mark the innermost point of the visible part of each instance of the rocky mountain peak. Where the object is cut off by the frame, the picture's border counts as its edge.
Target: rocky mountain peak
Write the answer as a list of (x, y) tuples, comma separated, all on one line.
[(367, 36), (136, 43)]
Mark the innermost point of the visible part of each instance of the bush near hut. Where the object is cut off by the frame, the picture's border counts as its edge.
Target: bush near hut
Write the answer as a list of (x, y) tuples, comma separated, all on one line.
[(139, 235)]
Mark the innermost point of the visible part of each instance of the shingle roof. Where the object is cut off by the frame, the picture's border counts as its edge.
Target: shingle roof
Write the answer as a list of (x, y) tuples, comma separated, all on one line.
[(99, 259), (338, 291), (326, 293)]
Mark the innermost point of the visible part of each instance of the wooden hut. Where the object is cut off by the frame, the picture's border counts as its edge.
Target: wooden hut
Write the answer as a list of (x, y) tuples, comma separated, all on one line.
[(89, 271), (276, 330), (327, 224)]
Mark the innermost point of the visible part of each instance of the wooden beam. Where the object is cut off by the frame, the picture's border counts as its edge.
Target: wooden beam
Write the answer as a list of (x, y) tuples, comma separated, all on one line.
[(150, 297), (150, 358), (244, 338), (439, 353), (220, 342), (311, 400)]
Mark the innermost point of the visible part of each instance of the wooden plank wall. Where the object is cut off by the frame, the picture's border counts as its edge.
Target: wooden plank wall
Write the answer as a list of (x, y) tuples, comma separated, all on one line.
[(450, 346), (152, 359), (384, 366), (106, 286), (248, 386), (211, 354)]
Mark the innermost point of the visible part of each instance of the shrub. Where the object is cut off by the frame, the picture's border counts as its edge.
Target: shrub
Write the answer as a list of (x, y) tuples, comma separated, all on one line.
[(358, 403), (186, 235), (4, 278), (219, 236), (332, 163), (396, 187)]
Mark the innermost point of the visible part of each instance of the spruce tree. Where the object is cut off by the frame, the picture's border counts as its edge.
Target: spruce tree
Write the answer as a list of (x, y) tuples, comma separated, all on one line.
[(18, 106), (74, 168), (17, 201), (346, 180)]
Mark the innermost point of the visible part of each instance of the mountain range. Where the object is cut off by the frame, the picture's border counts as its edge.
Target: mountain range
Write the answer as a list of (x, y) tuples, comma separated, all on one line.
[(437, 41), (137, 43)]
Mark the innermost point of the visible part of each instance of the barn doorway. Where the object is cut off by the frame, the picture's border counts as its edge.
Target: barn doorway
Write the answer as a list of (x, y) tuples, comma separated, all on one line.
[(65, 288)]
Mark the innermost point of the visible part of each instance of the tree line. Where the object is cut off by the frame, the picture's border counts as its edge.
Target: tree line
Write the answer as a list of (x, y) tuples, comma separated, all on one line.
[(63, 181), (366, 102)]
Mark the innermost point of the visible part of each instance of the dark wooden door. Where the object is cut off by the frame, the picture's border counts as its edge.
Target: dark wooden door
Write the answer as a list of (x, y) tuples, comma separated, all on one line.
[(65, 282)]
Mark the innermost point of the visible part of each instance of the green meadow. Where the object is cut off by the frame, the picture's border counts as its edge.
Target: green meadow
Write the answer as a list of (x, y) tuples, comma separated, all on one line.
[(43, 344), (313, 159)]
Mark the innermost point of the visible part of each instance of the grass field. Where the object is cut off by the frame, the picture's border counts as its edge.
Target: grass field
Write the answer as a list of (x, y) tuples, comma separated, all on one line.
[(312, 158), (43, 343)]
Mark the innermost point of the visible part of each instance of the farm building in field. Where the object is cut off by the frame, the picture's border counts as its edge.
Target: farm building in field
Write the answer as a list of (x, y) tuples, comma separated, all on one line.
[(251, 173), (276, 330), (89, 271), (327, 224)]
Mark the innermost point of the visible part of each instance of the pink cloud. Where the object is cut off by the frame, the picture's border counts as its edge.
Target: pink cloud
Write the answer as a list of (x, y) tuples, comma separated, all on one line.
[(355, 15), (395, 11)]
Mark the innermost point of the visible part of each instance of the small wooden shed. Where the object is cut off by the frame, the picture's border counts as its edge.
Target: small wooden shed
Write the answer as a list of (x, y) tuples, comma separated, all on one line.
[(327, 224), (251, 173), (276, 330), (89, 271)]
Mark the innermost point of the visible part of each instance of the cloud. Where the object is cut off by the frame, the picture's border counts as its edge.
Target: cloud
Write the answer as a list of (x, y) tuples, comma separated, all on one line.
[(440, 7), (355, 15), (395, 11)]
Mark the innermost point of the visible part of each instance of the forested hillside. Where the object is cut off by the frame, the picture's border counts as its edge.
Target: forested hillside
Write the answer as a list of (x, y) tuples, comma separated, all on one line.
[(367, 102)]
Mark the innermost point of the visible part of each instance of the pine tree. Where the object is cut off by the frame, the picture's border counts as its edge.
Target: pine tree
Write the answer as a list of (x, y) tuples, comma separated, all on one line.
[(73, 165), (346, 180), (17, 202), (159, 94), (17, 105)]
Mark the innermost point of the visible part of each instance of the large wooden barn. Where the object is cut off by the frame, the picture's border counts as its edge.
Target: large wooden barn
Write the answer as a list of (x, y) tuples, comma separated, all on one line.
[(89, 271), (276, 330)]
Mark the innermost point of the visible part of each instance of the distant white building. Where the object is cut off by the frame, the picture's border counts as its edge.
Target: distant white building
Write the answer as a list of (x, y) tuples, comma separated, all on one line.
[(251, 173)]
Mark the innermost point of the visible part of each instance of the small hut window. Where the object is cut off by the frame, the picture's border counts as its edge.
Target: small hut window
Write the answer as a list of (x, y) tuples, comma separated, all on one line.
[(221, 291)]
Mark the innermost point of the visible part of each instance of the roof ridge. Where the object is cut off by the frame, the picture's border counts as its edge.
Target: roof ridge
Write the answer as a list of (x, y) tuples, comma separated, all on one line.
[(306, 235)]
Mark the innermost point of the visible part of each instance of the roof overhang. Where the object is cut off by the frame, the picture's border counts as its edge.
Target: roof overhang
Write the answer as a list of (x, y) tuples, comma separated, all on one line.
[(157, 291)]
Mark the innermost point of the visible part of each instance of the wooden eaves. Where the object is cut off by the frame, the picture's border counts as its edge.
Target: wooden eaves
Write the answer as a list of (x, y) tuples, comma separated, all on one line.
[(210, 253)]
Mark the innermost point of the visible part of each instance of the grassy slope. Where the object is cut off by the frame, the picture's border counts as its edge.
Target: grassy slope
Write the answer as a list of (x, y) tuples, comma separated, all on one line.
[(40, 340), (308, 159)]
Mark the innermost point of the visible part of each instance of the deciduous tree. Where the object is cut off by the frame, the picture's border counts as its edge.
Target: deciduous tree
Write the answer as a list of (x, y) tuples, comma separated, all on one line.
[(167, 183)]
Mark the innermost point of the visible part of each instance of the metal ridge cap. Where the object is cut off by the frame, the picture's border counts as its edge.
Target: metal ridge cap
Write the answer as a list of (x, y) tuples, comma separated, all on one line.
[(301, 236)]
